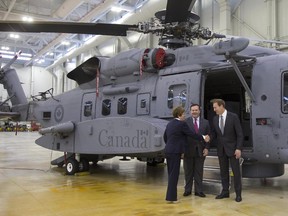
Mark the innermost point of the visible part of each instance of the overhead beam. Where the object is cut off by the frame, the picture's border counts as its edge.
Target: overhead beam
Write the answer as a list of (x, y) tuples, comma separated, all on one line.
[(97, 11), (65, 9), (9, 9)]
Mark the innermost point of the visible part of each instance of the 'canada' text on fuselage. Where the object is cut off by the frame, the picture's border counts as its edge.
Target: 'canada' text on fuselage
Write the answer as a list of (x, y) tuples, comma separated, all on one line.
[(138, 141)]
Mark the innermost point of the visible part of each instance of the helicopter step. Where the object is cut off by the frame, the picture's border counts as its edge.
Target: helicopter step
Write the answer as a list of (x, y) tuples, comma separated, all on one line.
[(60, 162), (211, 176)]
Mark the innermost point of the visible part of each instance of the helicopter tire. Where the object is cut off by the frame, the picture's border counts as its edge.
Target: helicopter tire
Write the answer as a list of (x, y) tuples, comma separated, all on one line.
[(72, 166), (155, 162), (94, 162), (83, 165), (152, 164)]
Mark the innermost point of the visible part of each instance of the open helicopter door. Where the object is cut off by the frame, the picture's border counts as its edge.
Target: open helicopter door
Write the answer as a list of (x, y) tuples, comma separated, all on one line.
[(232, 83), (88, 106)]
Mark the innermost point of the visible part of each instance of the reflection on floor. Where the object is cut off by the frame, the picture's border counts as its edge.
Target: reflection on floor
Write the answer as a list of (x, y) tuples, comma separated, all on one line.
[(29, 186)]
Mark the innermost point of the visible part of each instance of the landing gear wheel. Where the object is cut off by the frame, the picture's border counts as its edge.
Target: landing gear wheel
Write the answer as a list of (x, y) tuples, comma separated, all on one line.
[(151, 163), (72, 166), (94, 162), (83, 165), (155, 162)]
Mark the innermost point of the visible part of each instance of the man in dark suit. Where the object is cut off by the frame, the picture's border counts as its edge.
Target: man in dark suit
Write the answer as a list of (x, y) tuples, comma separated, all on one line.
[(195, 153), (229, 135), (175, 137)]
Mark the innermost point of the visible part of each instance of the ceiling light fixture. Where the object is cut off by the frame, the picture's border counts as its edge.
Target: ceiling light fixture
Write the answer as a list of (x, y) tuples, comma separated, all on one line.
[(19, 58), (4, 48), (27, 19), (14, 36), (116, 9)]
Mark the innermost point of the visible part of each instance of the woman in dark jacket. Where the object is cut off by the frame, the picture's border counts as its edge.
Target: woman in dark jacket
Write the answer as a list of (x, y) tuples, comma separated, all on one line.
[(175, 137)]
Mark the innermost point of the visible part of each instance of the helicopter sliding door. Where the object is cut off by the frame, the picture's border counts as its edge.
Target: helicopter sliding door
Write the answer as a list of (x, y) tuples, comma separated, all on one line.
[(270, 113), (177, 90), (88, 106)]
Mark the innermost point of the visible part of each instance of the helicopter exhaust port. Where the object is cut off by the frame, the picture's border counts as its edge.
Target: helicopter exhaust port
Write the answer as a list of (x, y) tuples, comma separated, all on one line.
[(156, 59)]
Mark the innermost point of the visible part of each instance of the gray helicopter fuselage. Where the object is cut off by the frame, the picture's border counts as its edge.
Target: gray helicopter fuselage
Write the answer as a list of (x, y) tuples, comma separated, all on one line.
[(148, 99), (123, 103)]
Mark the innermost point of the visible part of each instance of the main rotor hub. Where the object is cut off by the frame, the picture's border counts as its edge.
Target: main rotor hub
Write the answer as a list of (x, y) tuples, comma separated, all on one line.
[(173, 43), (177, 34)]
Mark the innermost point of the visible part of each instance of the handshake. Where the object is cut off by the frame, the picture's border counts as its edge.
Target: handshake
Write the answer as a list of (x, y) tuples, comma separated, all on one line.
[(206, 138)]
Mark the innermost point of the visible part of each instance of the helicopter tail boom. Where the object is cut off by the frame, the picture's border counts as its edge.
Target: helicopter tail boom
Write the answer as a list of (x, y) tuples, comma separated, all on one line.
[(11, 82)]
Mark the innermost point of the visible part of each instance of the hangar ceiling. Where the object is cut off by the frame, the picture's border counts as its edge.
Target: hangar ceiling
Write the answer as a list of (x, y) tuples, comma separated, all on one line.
[(43, 49)]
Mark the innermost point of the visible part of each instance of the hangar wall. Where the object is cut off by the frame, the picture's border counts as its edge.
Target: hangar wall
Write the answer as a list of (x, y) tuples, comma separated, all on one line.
[(262, 21)]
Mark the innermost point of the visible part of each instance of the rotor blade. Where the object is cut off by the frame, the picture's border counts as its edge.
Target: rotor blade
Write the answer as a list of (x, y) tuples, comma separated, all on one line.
[(6, 115), (178, 11), (66, 27), (192, 4)]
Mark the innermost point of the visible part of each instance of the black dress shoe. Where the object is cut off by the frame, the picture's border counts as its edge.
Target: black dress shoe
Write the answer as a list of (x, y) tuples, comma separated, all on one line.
[(238, 199), (186, 193), (200, 194), (222, 195)]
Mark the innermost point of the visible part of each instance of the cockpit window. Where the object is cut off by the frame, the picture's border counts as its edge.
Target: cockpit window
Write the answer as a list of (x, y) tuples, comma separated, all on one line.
[(106, 107), (177, 96), (122, 106), (285, 92)]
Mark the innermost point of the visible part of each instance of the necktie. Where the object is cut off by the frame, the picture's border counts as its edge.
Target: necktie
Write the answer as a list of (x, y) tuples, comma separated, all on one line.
[(195, 125), (222, 124)]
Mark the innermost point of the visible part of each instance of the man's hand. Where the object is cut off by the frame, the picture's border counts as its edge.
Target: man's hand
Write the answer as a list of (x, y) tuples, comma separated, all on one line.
[(237, 153), (205, 152), (206, 138)]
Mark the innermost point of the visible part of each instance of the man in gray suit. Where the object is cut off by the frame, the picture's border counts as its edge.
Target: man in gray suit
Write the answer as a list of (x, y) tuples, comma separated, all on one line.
[(195, 153), (229, 135)]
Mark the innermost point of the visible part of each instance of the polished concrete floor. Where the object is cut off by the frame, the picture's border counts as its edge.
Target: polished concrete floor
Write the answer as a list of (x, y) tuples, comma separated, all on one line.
[(30, 186)]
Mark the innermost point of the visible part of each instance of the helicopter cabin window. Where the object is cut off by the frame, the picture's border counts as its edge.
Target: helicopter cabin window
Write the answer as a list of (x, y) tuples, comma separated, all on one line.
[(46, 115), (122, 106), (177, 95), (106, 107), (88, 108), (285, 92)]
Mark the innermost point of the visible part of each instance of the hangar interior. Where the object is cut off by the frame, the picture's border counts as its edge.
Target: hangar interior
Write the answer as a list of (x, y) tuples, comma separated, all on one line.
[(31, 186)]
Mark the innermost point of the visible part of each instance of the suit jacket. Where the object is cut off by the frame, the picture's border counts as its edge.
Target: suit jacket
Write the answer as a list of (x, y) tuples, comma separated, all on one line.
[(194, 147), (175, 136), (232, 138)]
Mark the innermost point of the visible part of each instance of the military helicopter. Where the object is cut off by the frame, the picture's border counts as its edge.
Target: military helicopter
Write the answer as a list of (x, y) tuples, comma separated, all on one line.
[(123, 103)]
